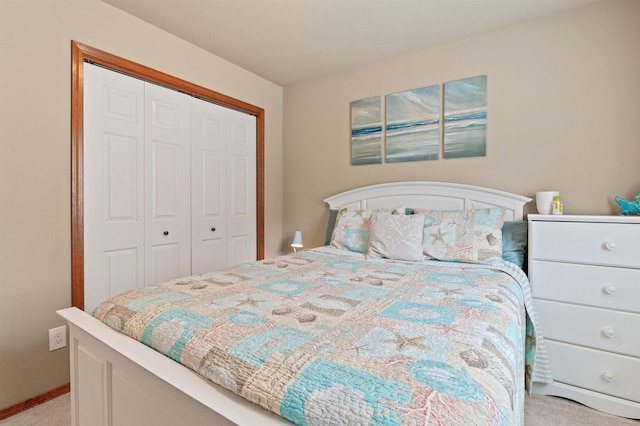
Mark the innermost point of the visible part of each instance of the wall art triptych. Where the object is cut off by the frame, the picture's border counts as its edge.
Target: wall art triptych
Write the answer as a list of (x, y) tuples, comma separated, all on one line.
[(409, 123)]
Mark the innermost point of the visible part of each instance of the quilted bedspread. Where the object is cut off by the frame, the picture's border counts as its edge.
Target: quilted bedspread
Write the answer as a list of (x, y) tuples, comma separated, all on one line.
[(320, 338)]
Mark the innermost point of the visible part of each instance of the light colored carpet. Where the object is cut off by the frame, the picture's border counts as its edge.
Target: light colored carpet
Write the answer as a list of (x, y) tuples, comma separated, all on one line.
[(55, 412), (538, 411), (548, 410)]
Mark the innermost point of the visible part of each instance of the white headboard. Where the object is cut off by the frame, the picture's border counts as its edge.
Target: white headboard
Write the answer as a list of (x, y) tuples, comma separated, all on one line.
[(429, 195)]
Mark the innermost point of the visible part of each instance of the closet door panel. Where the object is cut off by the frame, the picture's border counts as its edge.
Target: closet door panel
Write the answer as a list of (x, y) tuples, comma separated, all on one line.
[(165, 181), (167, 184), (113, 189), (214, 255), (239, 247), (122, 268), (165, 262), (241, 220), (121, 177), (208, 186)]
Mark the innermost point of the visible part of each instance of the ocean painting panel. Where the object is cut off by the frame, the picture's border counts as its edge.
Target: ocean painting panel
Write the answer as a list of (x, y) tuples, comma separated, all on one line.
[(465, 118), (413, 125), (366, 131)]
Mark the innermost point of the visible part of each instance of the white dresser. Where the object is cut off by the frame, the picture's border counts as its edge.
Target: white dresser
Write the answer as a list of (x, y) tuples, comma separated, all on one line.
[(585, 276)]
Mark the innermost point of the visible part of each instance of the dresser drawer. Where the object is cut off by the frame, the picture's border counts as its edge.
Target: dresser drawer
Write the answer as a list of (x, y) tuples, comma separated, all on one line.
[(602, 286), (613, 244), (594, 327), (612, 374)]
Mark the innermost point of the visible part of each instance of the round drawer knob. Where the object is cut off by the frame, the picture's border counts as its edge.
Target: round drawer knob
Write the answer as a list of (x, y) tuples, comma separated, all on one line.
[(610, 245), (608, 376), (165, 233), (610, 289), (609, 332), (213, 229)]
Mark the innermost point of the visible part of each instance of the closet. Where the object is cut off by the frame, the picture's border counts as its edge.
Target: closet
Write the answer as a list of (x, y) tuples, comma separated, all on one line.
[(169, 185)]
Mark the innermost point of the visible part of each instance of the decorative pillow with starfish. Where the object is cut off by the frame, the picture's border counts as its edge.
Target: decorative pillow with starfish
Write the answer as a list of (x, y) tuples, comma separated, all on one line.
[(468, 236)]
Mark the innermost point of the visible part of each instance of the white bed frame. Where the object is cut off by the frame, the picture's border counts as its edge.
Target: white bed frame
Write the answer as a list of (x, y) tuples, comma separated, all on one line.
[(116, 380), (430, 195)]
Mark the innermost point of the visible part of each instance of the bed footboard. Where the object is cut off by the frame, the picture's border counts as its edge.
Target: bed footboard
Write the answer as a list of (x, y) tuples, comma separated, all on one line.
[(118, 381)]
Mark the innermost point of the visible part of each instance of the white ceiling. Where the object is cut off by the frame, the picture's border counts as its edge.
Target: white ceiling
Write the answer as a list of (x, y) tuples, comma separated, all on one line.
[(288, 41)]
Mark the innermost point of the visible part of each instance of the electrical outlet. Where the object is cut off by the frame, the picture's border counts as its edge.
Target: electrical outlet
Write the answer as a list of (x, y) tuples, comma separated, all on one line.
[(57, 338)]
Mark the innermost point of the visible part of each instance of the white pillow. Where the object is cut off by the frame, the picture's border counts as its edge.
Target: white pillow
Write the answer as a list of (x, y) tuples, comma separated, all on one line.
[(396, 236)]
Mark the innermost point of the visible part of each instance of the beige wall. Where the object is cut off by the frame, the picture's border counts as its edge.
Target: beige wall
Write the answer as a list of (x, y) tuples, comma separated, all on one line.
[(563, 114), (35, 75)]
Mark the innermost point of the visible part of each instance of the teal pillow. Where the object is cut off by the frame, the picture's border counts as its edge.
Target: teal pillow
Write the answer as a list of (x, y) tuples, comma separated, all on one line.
[(333, 214), (514, 242)]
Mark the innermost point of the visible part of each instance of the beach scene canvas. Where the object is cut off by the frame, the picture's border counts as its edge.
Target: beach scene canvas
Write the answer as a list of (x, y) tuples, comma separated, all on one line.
[(413, 125), (465, 118), (366, 131)]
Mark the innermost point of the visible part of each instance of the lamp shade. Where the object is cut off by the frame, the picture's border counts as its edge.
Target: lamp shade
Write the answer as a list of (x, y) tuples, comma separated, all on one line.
[(297, 239)]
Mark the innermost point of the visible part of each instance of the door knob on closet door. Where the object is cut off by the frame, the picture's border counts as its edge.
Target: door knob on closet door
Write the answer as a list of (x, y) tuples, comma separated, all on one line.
[(165, 233)]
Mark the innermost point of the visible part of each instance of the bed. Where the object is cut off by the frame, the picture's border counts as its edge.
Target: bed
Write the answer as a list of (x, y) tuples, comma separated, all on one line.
[(360, 331)]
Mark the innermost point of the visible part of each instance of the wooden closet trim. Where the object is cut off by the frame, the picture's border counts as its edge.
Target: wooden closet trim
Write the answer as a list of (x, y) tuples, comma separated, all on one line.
[(81, 53)]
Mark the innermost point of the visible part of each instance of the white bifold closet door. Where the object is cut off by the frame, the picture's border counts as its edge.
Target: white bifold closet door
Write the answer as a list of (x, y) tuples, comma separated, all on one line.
[(223, 187), (169, 185)]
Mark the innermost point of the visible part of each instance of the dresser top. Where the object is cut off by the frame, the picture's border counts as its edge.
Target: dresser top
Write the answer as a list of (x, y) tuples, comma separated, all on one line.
[(582, 218)]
